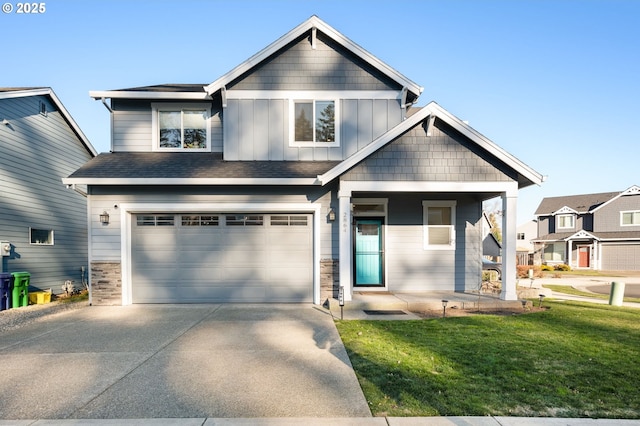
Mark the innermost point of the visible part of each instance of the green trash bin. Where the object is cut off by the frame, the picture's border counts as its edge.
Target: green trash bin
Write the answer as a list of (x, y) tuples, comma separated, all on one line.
[(20, 294)]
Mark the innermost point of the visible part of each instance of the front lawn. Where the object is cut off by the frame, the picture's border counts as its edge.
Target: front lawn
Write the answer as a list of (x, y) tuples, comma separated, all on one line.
[(571, 360), (566, 289)]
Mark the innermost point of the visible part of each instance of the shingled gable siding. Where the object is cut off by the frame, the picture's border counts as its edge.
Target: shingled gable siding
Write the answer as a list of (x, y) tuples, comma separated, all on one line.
[(445, 156), (327, 67)]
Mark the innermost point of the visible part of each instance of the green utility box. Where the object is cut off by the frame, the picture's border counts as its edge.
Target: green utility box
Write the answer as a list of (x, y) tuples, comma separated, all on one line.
[(617, 294), (20, 295)]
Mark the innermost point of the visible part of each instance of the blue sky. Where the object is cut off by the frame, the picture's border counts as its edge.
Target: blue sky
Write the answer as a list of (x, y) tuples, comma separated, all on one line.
[(553, 82)]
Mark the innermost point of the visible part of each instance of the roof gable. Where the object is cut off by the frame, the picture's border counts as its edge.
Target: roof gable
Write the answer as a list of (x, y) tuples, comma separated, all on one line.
[(18, 92), (632, 190), (311, 27), (426, 117), (582, 203)]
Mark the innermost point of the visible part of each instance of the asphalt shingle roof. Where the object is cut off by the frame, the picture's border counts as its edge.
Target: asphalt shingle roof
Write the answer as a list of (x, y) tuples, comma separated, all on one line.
[(619, 235), (179, 165), (579, 203)]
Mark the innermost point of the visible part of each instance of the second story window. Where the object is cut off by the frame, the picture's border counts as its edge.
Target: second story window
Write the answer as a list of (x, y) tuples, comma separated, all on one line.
[(630, 218), (566, 221), (180, 128), (314, 123)]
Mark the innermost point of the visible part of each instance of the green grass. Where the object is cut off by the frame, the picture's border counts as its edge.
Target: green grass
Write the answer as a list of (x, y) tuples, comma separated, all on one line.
[(572, 360), (566, 289)]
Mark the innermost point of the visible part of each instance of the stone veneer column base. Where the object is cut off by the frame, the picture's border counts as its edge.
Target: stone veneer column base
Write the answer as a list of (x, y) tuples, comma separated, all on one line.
[(106, 283), (329, 279)]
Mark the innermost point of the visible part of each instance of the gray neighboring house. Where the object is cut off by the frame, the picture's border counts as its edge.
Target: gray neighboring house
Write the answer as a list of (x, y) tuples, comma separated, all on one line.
[(304, 169), (590, 231), (44, 222)]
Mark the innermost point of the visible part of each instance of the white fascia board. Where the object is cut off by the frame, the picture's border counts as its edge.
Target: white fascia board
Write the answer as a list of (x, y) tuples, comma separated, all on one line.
[(632, 190), (432, 109), (348, 187), (47, 91), (312, 94), (136, 94), (309, 24), (374, 146), (581, 234), (565, 210), (485, 143), (188, 181)]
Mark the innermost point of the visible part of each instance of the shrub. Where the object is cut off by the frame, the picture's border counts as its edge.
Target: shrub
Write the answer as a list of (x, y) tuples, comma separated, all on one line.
[(523, 271), (546, 268), (562, 267)]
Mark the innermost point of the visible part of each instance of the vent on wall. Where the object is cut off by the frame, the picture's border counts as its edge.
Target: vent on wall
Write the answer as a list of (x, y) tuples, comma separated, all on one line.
[(43, 108)]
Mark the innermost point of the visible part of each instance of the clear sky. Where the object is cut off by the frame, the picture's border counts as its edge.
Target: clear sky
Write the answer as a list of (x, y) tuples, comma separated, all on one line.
[(556, 83)]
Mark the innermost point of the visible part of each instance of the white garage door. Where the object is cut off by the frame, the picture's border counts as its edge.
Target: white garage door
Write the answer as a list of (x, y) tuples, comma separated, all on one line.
[(200, 258), (621, 257)]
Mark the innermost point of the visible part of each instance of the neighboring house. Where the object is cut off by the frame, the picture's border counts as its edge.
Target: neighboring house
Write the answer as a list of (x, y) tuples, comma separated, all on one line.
[(525, 234), (591, 231), (491, 247), (44, 222), (302, 170)]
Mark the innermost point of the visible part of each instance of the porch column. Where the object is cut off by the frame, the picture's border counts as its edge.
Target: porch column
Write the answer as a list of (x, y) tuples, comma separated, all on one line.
[(509, 218), (344, 199)]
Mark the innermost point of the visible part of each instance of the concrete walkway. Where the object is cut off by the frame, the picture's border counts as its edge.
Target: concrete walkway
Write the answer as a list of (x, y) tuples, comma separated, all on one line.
[(184, 361)]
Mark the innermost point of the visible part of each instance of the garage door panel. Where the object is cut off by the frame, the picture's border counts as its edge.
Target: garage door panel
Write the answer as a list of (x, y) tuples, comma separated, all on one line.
[(240, 262)]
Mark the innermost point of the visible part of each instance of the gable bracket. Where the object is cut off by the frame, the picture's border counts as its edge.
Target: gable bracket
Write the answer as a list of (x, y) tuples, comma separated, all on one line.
[(223, 94), (430, 121), (314, 31)]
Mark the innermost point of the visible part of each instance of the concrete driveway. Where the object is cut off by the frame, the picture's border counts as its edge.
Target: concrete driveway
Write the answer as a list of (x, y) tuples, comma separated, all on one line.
[(164, 361)]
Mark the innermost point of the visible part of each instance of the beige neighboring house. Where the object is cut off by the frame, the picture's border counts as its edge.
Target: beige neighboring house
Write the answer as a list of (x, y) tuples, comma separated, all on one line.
[(525, 234)]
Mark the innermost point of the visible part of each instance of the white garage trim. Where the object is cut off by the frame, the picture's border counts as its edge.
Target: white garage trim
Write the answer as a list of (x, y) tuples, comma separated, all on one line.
[(128, 209)]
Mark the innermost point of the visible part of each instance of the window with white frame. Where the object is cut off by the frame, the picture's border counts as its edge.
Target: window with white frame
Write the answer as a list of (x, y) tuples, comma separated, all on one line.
[(314, 122), (181, 128), (439, 218), (566, 221), (630, 218)]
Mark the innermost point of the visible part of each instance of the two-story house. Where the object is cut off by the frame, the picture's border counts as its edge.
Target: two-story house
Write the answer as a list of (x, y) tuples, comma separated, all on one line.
[(591, 231), (43, 224), (304, 169)]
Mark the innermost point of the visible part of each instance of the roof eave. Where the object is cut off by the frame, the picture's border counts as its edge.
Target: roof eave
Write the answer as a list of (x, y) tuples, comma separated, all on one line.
[(48, 91), (434, 110), (190, 181), (308, 25), (141, 94)]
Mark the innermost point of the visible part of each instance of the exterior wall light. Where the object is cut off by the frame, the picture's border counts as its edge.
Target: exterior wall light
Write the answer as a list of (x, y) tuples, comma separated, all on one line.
[(332, 214), (104, 218)]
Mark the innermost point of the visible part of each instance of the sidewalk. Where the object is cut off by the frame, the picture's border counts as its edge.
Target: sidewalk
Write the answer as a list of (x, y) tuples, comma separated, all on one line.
[(351, 421)]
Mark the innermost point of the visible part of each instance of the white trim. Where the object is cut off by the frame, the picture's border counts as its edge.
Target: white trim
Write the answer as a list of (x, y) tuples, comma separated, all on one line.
[(307, 26), (314, 143), (139, 94), (426, 204), (564, 210), (348, 187), (189, 181), (127, 209), (632, 190), (312, 94), (178, 107), (429, 110), (634, 212), (47, 91)]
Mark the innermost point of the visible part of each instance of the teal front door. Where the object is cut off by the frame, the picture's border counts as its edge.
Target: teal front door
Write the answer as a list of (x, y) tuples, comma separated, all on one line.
[(368, 252)]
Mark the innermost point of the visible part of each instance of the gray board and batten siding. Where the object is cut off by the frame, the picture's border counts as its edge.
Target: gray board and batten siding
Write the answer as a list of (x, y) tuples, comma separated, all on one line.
[(37, 150)]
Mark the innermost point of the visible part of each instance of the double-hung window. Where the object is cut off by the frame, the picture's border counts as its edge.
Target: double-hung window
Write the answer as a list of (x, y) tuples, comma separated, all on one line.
[(630, 218), (566, 221), (314, 122), (439, 225), (180, 127)]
